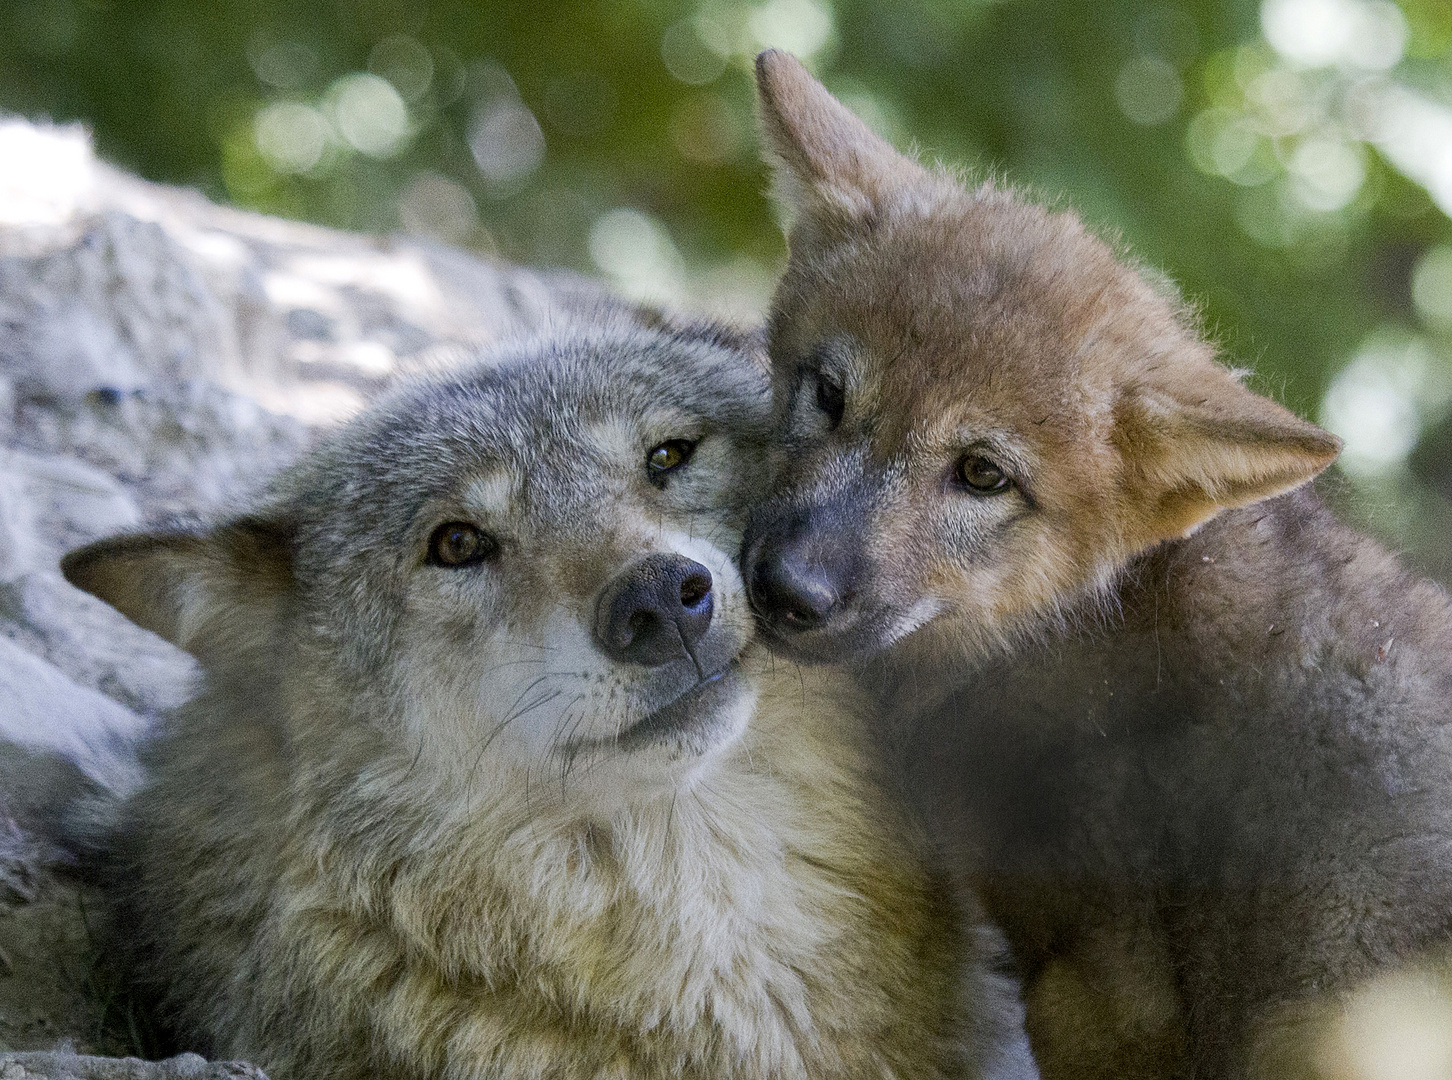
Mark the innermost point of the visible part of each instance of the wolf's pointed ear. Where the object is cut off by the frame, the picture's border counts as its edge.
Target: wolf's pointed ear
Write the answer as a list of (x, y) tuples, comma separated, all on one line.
[(1208, 444), (213, 593), (830, 169)]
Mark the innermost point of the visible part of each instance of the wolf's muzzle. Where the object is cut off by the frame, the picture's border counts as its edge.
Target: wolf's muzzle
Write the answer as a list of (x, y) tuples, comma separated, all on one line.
[(656, 611)]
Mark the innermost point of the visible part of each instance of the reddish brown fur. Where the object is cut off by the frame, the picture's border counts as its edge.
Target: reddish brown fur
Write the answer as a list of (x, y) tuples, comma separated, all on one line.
[(1145, 708)]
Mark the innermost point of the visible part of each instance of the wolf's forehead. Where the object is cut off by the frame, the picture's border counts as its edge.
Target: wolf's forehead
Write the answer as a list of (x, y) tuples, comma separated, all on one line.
[(577, 446), (569, 456)]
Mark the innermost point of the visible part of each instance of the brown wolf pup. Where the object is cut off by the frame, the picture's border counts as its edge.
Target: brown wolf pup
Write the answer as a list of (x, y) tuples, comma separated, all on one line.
[(1187, 735), (486, 778)]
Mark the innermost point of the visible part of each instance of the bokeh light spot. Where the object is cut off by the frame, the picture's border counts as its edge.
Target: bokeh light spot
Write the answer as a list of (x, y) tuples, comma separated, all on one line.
[(695, 51), (637, 252), (1326, 173), (1432, 287), (1370, 34), (1379, 401), (506, 140), (369, 114), (291, 136), (1310, 32), (801, 27), (1226, 143), (1148, 90), (1415, 133), (738, 291), (1282, 101), (285, 65), (436, 207), (405, 63)]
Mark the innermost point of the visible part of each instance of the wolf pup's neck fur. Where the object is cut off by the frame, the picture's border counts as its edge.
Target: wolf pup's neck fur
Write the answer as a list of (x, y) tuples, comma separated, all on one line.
[(487, 780), (1187, 735)]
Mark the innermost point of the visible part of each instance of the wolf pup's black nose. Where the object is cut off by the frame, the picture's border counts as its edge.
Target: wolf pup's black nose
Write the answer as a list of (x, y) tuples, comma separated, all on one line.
[(656, 611), (796, 585)]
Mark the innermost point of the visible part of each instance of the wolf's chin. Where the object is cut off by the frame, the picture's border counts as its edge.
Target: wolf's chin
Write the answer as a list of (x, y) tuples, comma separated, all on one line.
[(705, 715), (693, 720)]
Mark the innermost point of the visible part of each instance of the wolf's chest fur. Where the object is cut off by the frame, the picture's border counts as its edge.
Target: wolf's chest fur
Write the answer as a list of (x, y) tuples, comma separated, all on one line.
[(724, 931)]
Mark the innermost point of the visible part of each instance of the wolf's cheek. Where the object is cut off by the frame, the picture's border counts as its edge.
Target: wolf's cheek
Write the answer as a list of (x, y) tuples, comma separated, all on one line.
[(970, 559), (715, 491)]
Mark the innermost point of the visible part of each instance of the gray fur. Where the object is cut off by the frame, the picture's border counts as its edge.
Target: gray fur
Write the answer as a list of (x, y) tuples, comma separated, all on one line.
[(415, 825)]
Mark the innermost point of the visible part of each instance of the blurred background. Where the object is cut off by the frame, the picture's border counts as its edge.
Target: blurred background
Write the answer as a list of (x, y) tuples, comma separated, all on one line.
[(1288, 163)]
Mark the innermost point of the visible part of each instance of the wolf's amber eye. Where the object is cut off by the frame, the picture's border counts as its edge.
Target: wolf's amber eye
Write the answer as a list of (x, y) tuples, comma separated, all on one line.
[(981, 476), (831, 398), (457, 543), (667, 458)]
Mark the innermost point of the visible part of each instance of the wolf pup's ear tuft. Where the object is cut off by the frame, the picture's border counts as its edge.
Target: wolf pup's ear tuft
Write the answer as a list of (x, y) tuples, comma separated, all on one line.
[(1206, 445), (212, 593), (830, 170)]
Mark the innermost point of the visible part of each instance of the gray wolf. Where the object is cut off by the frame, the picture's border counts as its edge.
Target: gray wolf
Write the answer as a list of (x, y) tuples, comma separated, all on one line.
[(1185, 734), (487, 778)]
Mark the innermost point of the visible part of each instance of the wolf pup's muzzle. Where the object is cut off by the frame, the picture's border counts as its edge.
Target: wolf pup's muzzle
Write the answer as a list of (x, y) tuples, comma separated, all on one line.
[(802, 566)]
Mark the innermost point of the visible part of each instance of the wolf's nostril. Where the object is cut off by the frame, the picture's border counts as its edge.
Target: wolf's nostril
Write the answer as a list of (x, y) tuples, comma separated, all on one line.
[(640, 624), (694, 589), (803, 617)]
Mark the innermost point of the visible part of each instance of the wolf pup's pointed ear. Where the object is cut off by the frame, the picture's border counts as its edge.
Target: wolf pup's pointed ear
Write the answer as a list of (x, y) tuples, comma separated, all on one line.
[(830, 169), (212, 593), (1206, 445)]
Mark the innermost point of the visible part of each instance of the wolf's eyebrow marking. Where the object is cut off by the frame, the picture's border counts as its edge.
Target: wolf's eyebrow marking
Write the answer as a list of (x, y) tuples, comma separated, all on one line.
[(628, 440), (492, 493), (614, 437)]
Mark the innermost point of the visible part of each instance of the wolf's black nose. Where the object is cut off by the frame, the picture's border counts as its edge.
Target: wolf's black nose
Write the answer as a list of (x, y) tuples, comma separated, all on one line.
[(656, 611), (794, 587)]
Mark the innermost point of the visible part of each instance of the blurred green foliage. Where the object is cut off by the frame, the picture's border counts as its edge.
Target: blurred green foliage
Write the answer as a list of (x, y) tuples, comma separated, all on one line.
[(1288, 164)]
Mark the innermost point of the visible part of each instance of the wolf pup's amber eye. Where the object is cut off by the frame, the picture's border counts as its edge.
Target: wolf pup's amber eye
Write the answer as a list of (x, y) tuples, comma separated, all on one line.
[(456, 544), (667, 458), (831, 398), (981, 476)]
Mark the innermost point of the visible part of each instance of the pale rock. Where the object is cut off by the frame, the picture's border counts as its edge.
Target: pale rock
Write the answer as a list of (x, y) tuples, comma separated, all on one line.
[(67, 1066), (52, 504), (47, 716), (95, 645), (161, 356)]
